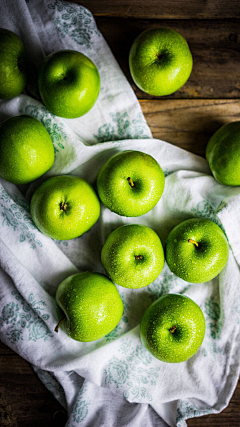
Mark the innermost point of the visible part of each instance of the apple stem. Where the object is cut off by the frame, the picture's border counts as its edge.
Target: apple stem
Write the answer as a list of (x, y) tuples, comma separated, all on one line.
[(193, 241), (59, 323), (63, 206), (138, 257), (173, 329), (130, 181), (159, 55)]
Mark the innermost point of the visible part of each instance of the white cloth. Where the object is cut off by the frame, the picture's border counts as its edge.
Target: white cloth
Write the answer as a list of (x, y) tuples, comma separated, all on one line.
[(113, 381)]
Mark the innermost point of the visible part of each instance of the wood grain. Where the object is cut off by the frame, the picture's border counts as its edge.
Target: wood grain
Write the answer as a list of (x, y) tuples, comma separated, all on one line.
[(162, 9), (215, 46), (189, 123), (24, 400)]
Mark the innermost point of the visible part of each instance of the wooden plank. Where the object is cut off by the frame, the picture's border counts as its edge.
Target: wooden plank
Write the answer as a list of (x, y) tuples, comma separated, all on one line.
[(24, 400), (189, 123), (215, 46), (6, 351), (172, 9)]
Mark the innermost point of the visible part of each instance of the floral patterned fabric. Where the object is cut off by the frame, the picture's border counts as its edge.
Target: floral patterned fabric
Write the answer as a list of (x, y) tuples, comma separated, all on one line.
[(114, 381)]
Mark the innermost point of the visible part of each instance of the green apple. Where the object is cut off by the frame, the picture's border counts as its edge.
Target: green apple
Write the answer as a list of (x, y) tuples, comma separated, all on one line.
[(89, 305), (26, 149), (69, 83), (160, 61), (196, 250), (130, 183), (64, 207), (223, 154), (133, 256), (173, 328), (12, 64)]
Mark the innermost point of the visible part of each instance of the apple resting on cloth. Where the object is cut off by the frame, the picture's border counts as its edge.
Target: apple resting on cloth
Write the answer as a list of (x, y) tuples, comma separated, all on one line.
[(130, 183), (26, 149), (173, 328), (133, 256), (69, 83), (90, 306), (223, 154), (160, 61), (196, 250), (12, 64), (64, 207)]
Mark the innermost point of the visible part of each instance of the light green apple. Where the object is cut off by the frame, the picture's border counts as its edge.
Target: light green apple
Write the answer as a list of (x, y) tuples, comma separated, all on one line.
[(196, 250), (89, 305), (64, 207), (172, 328), (133, 256), (69, 83), (13, 68), (130, 183), (26, 149), (223, 154), (160, 61)]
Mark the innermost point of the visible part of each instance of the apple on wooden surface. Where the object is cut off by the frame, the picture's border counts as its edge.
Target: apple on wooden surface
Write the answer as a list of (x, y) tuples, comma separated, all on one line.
[(26, 149), (89, 305), (69, 83), (223, 154), (133, 256), (64, 207), (12, 64), (130, 183), (196, 250), (160, 61), (172, 328)]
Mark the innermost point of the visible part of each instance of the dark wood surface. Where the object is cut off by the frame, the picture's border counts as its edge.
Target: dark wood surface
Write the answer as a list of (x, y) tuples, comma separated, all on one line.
[(187, 119), (24, 400), (164, 9), (215, 46)]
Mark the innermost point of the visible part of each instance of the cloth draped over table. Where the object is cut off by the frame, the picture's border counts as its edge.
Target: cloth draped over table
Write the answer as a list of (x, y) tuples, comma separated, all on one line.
[(114, 381)]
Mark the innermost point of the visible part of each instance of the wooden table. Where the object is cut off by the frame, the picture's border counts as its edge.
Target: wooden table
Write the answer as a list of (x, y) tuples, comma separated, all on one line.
[(187, 118)]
